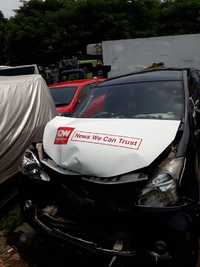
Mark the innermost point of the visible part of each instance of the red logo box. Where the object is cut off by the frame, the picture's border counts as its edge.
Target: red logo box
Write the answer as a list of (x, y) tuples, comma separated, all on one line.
[(62, 135)]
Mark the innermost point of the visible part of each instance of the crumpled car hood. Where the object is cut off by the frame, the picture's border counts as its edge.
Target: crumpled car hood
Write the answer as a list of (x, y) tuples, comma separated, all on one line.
[(106, 147)]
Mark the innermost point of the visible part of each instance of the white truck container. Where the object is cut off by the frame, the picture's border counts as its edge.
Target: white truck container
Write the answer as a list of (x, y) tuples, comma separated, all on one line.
[(130, 55)]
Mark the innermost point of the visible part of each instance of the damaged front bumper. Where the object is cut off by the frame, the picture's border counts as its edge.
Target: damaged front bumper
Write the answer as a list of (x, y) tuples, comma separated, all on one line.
[(140, 255), (145, 234)]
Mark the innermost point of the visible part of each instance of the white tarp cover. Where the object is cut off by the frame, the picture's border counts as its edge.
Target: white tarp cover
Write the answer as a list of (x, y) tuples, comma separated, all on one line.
[(25, 107), (107, 147)]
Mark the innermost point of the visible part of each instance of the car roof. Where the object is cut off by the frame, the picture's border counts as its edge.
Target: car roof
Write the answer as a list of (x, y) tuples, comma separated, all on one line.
[(76, 82), (147, 76)]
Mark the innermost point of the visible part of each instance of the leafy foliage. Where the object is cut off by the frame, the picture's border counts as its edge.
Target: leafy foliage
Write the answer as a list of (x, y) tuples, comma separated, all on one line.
[(44, 31)]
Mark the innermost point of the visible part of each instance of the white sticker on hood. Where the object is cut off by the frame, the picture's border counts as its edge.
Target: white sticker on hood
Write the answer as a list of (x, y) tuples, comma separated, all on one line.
[(107, 147)]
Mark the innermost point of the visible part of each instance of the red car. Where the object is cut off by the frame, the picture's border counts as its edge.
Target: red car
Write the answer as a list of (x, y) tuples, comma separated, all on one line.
[(67, 95)]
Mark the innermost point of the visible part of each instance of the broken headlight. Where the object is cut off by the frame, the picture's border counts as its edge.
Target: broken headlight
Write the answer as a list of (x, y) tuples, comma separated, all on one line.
[(162, 190), (30, 166)]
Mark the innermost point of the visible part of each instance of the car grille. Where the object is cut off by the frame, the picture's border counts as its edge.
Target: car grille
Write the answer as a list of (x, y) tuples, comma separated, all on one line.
[(99, 213)]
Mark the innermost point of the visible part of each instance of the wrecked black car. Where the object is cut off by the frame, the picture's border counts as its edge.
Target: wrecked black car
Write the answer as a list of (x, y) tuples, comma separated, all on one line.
[(121, 177)]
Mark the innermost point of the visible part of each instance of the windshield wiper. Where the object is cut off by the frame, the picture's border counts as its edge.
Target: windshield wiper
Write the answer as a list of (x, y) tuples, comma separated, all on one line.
[(168, 115), (108, 115)]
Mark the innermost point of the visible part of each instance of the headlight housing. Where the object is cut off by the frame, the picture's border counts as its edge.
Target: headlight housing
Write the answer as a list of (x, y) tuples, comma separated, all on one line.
[(162, 190), (30, 166)]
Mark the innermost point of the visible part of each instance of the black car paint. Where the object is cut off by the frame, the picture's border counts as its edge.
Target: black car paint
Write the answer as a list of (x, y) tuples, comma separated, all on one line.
[(147, 224)]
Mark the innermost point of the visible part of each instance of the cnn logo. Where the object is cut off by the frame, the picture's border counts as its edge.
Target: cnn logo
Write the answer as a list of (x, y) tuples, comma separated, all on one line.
[(63, 134)]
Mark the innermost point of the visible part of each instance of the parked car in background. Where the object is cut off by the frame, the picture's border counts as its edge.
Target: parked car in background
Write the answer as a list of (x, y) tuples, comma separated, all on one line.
[(19, 70), (68, 95)]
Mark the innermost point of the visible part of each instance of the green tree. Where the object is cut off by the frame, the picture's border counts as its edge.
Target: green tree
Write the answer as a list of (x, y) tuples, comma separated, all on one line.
[(44, 31), (3, 23), (33, 34), (180, 17)]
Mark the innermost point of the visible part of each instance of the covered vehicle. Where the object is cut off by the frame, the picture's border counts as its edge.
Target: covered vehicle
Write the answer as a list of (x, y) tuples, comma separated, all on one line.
[(19, 70), (122, 180), (26, 106), (68, 95)]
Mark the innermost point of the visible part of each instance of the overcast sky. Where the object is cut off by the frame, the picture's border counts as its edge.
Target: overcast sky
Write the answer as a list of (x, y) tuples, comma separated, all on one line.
[(7, 6)]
